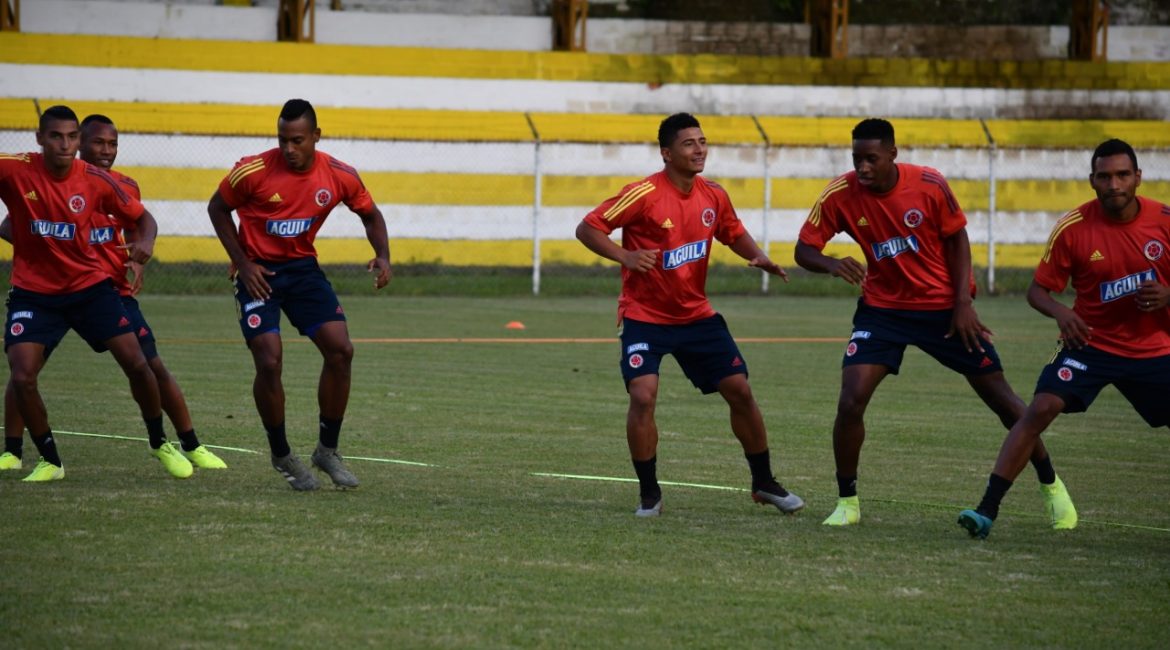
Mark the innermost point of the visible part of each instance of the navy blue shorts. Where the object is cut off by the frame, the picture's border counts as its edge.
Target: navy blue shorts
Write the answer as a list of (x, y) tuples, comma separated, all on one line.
[(141, 329), (300, 289), (1077, 376), (96, 313), (880, 337), (703, 349)]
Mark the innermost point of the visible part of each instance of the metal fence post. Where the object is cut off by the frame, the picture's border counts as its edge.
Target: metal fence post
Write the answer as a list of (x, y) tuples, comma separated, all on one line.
[(537, 180), (990, 207), (765, 240)]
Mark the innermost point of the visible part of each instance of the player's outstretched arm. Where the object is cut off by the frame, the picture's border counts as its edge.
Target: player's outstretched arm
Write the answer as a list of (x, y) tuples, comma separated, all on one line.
[(141, 247), (641, 260), (1073, 329), (379, 239), (250, 273), (812, 259), (747, 248)]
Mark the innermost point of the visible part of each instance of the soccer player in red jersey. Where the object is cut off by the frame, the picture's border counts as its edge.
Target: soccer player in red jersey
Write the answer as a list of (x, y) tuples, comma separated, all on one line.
[(99, 147), (668, 221), (1116, 252), (59, 284), (916, 289), (282, 198)]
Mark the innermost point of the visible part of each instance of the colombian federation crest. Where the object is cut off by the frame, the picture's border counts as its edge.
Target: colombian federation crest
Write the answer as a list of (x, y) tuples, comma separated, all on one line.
[(851, 349), (1065, 373), (708, 217), (254, 320), (323, 197), (76, 203), (1153, 250), (913, 218), (17, 329), (636, 361)]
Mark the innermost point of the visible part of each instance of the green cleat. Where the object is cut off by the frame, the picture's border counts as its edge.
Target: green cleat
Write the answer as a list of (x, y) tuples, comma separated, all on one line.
[(976, 524), (848, 513), (45, 471), (202, 458), (1059, 506), (171, 459), (9, 460)]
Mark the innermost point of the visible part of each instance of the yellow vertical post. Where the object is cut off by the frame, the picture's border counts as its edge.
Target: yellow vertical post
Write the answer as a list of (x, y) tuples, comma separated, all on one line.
[(569, 24), (1088, 34), (296, 21), (9, 15), (829, 28)]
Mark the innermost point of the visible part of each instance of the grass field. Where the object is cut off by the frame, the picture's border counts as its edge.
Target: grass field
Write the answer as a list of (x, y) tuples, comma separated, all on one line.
[(475, 549)]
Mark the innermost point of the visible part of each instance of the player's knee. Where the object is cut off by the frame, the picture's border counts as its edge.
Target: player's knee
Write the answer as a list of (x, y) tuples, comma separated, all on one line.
[(642, 397), (737, 391), (268, 365), (339, 355), (23, 381), (851, 405)]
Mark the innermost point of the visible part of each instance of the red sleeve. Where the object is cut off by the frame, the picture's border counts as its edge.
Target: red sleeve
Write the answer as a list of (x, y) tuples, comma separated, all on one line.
[(622, 209), (950, 216), (1055, 266), (114, 199), (728, 227), (236, 187), (131, 187), (353, 191), (822, 221)]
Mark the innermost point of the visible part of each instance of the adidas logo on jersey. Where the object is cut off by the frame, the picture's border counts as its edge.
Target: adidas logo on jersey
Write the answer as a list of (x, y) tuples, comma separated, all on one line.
[(862, 222), (31, 196), (275, 198), (1096, 256), (667, 224)]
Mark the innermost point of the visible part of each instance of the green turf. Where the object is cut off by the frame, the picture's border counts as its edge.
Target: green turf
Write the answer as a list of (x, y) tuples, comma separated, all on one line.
[(478, 552)]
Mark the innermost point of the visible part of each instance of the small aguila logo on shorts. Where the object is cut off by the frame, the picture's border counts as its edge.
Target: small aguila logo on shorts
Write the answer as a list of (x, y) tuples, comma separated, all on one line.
[(76, 203), (254, 321), (1153, 250), (323, 197), (17, 329), (1065, 374), (708, 217), (636, 361), (851, 349), (913, 217)]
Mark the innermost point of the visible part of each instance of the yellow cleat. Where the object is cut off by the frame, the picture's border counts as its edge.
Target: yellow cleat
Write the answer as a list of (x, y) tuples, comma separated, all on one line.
[(9, 460), (1058, 506), (171, 459), (848, 513), (202, 458), (45, 471)]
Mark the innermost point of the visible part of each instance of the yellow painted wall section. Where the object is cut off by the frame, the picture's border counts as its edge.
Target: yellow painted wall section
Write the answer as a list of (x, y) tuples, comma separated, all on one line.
[(300, 58)]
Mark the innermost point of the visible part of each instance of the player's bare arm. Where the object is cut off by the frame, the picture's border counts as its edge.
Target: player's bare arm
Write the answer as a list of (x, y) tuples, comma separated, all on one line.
[(141, 247), (964, 321), (846, 268), (1152, 295), (1073, 329), (135, 271), (641, 260), (747, 248), (375, 225), (6, 229), (250, 273)]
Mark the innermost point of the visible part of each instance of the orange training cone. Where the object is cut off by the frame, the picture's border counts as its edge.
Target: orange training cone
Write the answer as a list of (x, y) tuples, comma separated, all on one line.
[(514, 325)]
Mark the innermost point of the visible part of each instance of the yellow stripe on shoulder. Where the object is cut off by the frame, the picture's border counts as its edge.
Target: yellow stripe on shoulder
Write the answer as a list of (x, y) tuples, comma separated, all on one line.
[(1067, 220), (838, 184), (637, 192), (244, 170), (22, 157)]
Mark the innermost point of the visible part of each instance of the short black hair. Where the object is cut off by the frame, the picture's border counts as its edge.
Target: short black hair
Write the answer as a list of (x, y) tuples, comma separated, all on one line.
[(668, 130), (56, 113), (1112, 147), (96, 118), (874, 129), (295, 109)]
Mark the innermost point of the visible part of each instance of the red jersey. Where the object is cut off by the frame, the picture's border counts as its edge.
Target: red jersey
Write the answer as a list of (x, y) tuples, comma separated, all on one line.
[(1107, 262), (901, 232), (653, 213), (281, 210), (106, 237), (52, 221)]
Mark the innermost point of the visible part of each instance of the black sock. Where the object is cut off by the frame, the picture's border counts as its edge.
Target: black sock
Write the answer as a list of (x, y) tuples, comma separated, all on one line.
[(277, 441), (14, 446), (330, 432), (846, 486), (47, 447), (760, 465), (154, 431), (1044, 470), (188, 440), (997, 487), (647, 472)]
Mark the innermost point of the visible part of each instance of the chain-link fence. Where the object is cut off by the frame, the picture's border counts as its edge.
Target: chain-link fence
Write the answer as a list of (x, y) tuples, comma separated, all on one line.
[(499, 217)]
